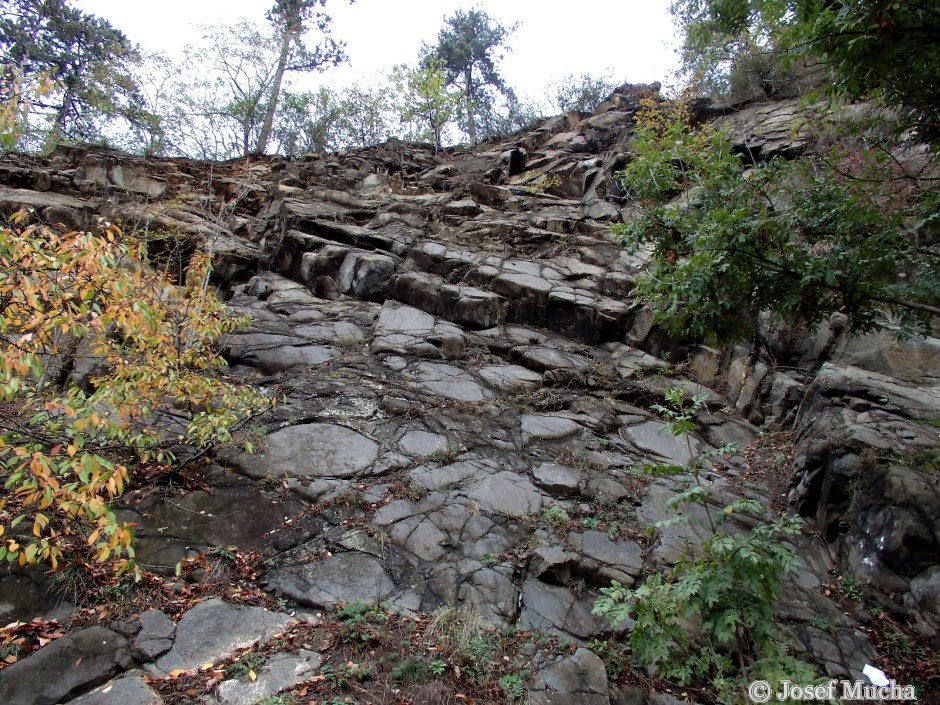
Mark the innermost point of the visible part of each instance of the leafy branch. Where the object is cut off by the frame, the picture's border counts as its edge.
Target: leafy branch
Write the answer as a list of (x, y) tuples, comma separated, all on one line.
[(67, 452)]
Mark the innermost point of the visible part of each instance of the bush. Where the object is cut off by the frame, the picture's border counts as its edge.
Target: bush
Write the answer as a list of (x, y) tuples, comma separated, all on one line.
[(846, 231), (66, 450), (710, 619)]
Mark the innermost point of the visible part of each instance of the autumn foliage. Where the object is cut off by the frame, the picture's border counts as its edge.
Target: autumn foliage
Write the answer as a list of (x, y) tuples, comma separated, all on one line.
[(104, 363)]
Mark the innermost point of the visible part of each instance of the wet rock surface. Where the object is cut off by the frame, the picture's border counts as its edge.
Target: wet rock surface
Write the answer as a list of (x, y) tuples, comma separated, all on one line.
[(464, 389)]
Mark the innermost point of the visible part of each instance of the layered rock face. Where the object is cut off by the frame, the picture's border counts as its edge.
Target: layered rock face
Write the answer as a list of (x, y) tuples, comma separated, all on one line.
[(461, 365)]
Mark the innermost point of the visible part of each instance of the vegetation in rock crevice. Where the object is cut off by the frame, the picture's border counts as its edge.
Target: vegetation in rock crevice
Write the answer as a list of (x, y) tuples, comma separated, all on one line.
[(709, 621)]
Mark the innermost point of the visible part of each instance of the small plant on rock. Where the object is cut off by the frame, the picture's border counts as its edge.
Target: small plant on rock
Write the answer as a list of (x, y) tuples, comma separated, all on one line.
[(513, 686), (445, 454), (360, 622), (543, 183), (710, 618), (247, 666), (557, 518), (412, 671)]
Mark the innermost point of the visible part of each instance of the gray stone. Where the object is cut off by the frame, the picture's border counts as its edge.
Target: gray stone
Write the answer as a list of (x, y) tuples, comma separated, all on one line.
[(605, 489), (423, 540), (137, 180), (155, 636), (507, 493), (449, 475), (466, 207), (314, 450), (404, 330), (912, 360), (471, 307), (580, 679), (663, 699), (365, 275), (282, 671), (655, 437), (447, 381), (556, 479), (345, 577), (30, 592), (421, 443), (225, 516), (559, 609), (70, 665), (549, 428), (14, 199), (925, 589), (546, 359), (512, 379), (606, 558), (213, 630), (340, 333), (552, 562), (490, 592), (130, 689), (526, 287), (279, 359)]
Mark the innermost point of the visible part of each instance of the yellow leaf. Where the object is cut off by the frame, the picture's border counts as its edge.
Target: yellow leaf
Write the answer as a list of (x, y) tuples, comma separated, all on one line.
[(177, 672), (252, 676)]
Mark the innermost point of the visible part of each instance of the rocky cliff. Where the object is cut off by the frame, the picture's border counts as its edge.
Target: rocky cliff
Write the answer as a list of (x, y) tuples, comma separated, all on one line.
[(466, 388)]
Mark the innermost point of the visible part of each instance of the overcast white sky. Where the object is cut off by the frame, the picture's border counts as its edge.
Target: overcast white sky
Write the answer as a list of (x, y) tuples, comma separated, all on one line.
[(632, 40)]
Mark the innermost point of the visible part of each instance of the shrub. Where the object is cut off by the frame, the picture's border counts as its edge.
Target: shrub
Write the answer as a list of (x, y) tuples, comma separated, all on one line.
[(710, 618), (850, 231), (66, 449)]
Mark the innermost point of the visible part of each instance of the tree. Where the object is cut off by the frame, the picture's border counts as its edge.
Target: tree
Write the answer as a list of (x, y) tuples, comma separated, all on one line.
[(327, 121), (849, 229), (424, 99), (83, 55), (222, 93), (872, 47), (366, 115), (67, 450), (310, 122), (467, 47), (582, 93), (290, 19), (158, 81)]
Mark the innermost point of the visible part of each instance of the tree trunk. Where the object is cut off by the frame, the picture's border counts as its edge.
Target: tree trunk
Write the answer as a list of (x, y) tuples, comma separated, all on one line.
[(62, 116), (271, 107), (468, 95)]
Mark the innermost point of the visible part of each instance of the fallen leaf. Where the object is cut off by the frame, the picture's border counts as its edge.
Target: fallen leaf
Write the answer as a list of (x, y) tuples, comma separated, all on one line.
[(78, 661), (252, 676), (177, 672)]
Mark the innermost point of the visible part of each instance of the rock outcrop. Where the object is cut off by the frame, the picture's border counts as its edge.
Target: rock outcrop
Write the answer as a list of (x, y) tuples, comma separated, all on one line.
[(464, 373)]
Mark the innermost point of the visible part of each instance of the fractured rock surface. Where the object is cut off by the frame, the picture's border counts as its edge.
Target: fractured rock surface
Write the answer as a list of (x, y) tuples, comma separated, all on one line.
[(465, 387)]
